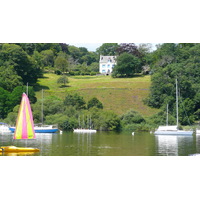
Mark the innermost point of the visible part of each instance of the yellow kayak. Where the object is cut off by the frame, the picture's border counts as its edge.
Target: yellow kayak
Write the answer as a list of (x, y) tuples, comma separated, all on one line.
[(18, 149)]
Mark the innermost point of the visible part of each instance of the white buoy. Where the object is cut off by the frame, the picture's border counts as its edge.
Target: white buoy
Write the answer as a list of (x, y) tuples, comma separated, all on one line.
[(61, 132), (133, 133)]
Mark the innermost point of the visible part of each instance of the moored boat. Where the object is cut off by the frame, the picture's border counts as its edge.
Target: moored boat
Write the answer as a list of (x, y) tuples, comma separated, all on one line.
[(172, 130), (14, 149), (41, 129), (84, 131), (4, 128)]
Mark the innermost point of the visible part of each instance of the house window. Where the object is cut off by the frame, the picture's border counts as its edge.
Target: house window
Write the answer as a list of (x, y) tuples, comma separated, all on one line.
[(103, 66), (103, 71), (108, 66), (113, 66)]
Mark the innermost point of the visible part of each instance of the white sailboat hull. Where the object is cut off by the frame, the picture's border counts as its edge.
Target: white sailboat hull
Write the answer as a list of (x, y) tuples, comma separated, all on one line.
[(178, 132), (171, 130), (4, 129), (84, 131)]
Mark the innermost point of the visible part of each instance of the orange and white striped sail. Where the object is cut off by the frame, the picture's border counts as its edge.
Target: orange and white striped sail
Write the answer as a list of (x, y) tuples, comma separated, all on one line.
[(25, 126)]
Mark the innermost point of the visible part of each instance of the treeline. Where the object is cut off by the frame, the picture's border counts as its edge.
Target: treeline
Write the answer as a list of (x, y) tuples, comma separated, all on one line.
[(26, 62), (182, 62), (23, 63), (74, 112)]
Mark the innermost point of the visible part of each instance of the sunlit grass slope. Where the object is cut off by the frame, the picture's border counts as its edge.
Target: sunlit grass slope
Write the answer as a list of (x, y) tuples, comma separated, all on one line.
[(119, 95)]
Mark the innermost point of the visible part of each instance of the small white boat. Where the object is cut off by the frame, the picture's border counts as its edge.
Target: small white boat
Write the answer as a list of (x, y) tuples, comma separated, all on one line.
[(84, 131), (4, 128), (171, 130)]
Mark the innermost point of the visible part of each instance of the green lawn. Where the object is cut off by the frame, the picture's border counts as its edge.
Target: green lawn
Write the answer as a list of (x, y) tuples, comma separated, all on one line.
[(119, 94)]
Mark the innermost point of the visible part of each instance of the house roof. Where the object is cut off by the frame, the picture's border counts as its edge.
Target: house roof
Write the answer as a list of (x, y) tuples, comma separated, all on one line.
[(106, 59)]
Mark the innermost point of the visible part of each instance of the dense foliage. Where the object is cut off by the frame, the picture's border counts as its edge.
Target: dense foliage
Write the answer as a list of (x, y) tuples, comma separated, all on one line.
[(181, 62), (23, 63), (127, 65)]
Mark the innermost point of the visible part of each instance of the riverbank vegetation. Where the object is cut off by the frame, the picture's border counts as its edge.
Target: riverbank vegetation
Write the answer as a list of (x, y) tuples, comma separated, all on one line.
[(133, 98)]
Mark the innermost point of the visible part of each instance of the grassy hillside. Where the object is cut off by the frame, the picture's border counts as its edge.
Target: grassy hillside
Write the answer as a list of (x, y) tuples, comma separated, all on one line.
[(119, 95)]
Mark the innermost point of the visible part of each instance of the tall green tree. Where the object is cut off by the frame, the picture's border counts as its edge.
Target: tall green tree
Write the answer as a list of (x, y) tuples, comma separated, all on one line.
[(24, 65), (127, 65), (48, 58), (5, 106), (61, 62), (9, 78), (75, 100)]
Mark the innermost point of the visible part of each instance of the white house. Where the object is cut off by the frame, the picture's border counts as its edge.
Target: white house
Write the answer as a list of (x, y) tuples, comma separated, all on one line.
[(106, 64)]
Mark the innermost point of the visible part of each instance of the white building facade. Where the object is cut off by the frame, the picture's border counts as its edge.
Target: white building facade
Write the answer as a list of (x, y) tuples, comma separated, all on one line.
[(106, 64)]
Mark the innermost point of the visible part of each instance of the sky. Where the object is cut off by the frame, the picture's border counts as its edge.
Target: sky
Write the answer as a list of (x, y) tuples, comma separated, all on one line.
[(94, 46)]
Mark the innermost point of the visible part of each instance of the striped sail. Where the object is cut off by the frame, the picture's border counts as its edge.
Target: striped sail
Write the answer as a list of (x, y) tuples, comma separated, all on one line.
[(24, 127)]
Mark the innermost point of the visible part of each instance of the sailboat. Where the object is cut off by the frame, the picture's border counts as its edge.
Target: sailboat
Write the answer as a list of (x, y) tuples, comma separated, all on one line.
[(24, 127), (84, 130), (41, 128), (172, 130)]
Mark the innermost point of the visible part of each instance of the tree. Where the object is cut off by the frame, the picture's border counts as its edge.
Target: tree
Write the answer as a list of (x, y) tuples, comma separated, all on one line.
[(94, 67), (64, 47), (107, 49), (16, 95), (75, 100), (38, 57), (61, 62), (132, 117), (130, 48), (5, 106), (48, 58), (127, 65), (94, 102), (24, 65), (132, 120), (9, 78), (75, 52), (63, 80)]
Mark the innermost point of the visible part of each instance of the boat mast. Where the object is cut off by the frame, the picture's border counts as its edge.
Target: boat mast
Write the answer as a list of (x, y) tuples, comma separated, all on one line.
[(42, 107), (176, 102), (79, 121), (167, 116)]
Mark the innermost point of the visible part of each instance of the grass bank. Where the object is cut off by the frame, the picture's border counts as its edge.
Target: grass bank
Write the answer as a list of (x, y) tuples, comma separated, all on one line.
[(119, 94)]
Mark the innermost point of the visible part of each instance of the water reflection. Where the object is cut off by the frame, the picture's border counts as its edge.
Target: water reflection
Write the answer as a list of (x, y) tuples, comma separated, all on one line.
[(107, 144), (84, 143), (172, 145)]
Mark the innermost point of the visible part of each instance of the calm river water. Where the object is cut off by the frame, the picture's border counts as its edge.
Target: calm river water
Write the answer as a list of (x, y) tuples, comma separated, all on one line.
[(107, 144)]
